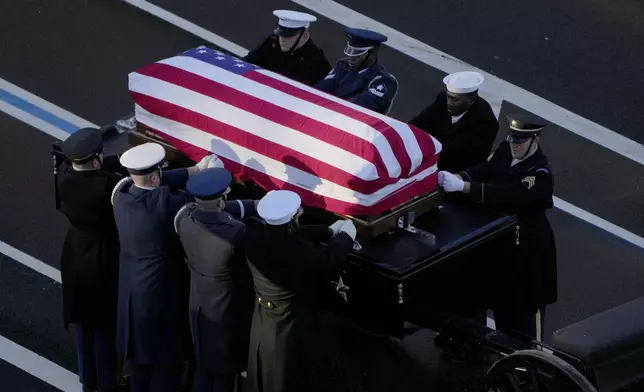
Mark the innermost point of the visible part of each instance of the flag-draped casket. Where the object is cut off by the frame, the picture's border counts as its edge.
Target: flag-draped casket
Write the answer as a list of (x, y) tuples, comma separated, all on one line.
[(284, 135)]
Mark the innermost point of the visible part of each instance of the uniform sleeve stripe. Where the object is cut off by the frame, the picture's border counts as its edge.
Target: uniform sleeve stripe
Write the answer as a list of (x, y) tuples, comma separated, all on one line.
[(178, 217), (242, 211), (118, 187)]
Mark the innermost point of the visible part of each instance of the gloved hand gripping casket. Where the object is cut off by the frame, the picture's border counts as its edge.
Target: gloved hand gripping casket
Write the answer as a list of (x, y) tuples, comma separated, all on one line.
[(282, 134)]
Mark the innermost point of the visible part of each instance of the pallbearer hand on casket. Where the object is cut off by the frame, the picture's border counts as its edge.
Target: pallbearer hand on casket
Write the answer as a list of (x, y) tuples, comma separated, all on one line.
[(349, 228), (450, 182), (209, 161), (335, 228)]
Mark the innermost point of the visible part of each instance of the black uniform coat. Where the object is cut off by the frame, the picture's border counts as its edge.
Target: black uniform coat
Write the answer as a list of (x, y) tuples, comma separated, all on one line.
[(524, 190), (89, 260), (306, 64), (152, 324), (373, 87), (465, 143), (221, 286), (283, 333)]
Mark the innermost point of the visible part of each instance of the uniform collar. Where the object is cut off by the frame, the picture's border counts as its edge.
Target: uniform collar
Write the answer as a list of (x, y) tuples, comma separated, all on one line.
[(372, 70), (210, 216), (368, 72), (146, 188), (534, 154), (458, 118)]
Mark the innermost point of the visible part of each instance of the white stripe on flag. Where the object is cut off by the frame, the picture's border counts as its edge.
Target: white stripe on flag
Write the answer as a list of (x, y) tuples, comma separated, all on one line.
[(289, 102), (270, 166), (254, 124), (409, 140)]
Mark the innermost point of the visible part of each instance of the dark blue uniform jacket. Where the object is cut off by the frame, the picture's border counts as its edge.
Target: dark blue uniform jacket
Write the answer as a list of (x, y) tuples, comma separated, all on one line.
[(152, 320), (373, 88), (221, 286)]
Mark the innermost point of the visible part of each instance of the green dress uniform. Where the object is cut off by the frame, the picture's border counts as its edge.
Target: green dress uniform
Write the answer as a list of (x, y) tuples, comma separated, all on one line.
[(286, 263)]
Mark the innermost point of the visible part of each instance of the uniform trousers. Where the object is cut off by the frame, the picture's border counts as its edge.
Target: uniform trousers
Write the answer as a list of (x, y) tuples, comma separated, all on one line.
[(155, 377), (97, 358), (207, 381), (526, 322)]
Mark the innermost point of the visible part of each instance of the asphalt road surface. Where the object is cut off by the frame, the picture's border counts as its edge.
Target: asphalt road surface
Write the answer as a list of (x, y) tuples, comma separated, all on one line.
[(583, 55)]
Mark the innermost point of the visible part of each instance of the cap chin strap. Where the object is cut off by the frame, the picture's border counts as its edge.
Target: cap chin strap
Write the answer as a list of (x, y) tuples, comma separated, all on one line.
[(359, 66), (291, 226), (532, 139), (299, 38)]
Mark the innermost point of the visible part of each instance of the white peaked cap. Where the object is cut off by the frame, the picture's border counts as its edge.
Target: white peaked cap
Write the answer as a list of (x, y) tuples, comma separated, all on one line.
[(279, 207), (294, 19), (463, 82), (143, 156)]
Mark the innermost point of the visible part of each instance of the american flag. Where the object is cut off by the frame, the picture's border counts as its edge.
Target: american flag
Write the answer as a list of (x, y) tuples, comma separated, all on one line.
[(283, 134)]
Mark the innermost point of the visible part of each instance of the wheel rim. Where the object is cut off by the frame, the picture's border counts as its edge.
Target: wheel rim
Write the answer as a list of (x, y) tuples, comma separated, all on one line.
[(521, 374)]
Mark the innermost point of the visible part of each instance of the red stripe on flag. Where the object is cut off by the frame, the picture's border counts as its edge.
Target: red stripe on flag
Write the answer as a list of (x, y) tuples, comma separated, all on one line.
[(427, 146), (392, 136), (309, 198), (291, 119), (259, 145)]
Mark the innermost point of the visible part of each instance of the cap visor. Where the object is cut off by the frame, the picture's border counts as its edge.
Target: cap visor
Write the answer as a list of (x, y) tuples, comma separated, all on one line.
[(284, 32), (353, 51), (519, 137)]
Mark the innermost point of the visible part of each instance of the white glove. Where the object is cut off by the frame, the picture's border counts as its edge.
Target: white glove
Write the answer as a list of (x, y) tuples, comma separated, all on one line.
[(335, 228), (209, 161), (216, 162), (441, 178), (349, 228), (203, 163), (450, 182)]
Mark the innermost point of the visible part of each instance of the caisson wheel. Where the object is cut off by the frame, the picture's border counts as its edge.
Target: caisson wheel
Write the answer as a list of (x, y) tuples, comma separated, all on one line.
[(535, 371)]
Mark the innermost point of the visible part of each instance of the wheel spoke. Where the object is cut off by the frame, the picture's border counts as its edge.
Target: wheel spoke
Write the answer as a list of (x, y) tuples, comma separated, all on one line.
[(533, 379), (513, 381), (532, 371)]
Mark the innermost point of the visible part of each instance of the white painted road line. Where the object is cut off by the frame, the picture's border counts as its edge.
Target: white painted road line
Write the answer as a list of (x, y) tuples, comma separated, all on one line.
[(45, 105), (31, 262), (599, 222), (33, 121), (38, 366), (188, 26), (493, 85)]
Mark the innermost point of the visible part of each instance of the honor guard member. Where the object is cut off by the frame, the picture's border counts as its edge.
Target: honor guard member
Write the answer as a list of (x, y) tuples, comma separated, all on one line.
[(285, 263), (461, 120), (221, 286), (517, 180), (90, 256), (361, 78), (152, 322), (290, 51)]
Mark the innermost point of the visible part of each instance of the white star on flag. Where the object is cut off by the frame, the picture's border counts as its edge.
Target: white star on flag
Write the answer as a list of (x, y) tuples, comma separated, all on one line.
[(202, 51), (238, 60), (239, 65), (219, 57)]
